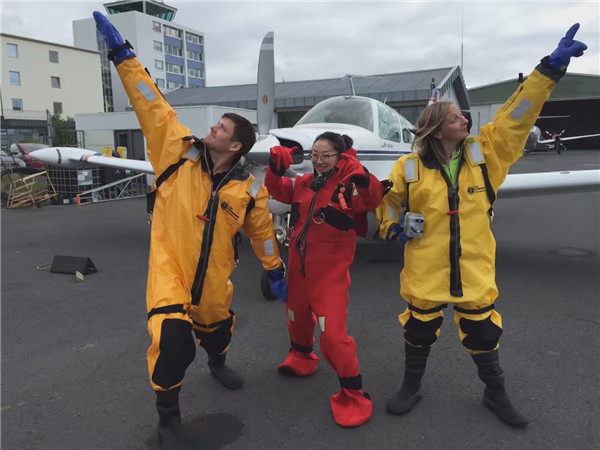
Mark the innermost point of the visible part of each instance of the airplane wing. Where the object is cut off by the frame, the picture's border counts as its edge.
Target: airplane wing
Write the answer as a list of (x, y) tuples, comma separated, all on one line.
[(515, 185), (570, 138), (546, 183), (74, 157)]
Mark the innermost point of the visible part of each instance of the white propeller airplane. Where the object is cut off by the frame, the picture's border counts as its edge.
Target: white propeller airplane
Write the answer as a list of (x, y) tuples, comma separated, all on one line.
[(536, 143), (381, 135)]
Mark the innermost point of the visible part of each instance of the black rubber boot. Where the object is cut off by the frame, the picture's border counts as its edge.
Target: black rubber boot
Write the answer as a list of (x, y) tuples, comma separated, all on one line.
[(410, 392), (494, 395), (226, 375), (170, 430)]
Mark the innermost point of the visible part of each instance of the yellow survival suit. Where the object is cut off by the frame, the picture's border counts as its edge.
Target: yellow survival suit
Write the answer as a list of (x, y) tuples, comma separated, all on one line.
[(191, 251), (454, 260)]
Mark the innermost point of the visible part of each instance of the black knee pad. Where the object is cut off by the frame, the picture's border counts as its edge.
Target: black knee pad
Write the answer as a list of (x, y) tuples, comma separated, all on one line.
[(420, 333), (482, 335), (177, 351), (217, 341)]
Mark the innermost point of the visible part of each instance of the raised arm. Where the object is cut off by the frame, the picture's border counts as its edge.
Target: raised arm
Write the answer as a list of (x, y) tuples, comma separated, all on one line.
[(156, 117), (280, 187), (503, 139), (367, 191)]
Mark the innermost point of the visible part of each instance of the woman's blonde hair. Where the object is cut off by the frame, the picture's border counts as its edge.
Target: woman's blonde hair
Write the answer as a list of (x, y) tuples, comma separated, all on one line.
[(429, 123)]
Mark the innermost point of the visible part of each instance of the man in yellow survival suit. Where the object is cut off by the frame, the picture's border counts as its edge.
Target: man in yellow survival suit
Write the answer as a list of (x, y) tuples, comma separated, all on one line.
[(448, 189), (205, 197)]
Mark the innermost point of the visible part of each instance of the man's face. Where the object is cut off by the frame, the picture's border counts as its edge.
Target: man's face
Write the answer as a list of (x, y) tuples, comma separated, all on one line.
[(219, 138)]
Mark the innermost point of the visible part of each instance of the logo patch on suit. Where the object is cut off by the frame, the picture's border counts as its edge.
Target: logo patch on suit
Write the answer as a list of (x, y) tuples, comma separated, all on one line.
[(475, 189), (229, 210)]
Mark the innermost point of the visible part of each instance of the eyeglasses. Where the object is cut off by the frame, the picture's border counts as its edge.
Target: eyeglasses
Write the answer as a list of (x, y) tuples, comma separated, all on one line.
[(323, 158)]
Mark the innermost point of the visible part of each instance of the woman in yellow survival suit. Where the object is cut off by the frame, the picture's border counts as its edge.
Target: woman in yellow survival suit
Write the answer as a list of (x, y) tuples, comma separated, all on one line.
[(447, 189)]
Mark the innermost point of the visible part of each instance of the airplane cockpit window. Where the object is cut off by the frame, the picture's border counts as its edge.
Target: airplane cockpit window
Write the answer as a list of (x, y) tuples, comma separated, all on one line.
[(407, 135), (347, 110), (389, 123)]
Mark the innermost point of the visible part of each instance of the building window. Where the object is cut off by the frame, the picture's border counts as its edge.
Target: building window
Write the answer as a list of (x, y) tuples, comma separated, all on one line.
[(194, 38), (156, 26), (173, 32), (12, 50), (160, 83), (195, 56), (174, 84), (58, 108), (158, 64), (196, 73), (53, 56), (55, 81), (175, 68), (17, 104), (14, 78), (158, 46), (172, 50)]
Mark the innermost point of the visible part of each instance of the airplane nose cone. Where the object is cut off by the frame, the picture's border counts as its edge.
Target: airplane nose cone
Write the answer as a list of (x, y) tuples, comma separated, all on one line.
[(47, 155)]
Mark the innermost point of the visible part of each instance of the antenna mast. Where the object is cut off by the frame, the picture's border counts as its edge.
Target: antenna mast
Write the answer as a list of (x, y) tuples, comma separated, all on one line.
[(462, 35)]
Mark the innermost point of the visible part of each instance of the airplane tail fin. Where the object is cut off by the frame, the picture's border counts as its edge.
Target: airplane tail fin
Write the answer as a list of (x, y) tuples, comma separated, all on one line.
[(434, 95), (265, 102)]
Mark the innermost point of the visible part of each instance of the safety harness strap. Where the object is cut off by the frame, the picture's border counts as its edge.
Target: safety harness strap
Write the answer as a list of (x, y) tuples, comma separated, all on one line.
[(427, 311), (228, 321), (112, 55), (151, 196), (237, 238), (351, 382), (488, 189), (335, 218), (170, 309), (474, 311), (301, 348)]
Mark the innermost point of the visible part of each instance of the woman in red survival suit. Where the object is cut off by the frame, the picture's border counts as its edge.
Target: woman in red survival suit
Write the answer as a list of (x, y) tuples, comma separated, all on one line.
[(328, 211)]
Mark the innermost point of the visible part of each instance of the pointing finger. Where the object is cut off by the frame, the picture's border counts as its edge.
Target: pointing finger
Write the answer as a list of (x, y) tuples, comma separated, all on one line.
[(571, 33)]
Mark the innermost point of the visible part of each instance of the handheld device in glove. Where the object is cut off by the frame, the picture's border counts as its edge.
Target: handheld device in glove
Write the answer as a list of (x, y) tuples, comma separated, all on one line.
[(119, 50), (410, 226), (278, 283)]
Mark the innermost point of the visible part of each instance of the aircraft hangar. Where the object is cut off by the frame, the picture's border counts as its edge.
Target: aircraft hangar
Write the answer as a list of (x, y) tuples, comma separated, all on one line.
[(574, 106), (406, 92)]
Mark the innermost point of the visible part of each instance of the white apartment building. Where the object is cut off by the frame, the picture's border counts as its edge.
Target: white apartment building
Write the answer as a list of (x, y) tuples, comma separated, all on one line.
[(43, 77), (174, 55)]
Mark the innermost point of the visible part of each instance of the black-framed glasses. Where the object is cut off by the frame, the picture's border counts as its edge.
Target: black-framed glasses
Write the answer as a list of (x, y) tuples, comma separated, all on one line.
[(324, 158)]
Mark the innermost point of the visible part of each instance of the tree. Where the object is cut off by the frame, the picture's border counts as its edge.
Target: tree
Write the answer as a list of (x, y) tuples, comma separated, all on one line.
[(64, 133)]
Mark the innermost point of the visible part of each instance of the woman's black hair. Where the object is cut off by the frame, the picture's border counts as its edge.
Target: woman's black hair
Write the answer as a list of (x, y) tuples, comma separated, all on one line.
[(340, 143)]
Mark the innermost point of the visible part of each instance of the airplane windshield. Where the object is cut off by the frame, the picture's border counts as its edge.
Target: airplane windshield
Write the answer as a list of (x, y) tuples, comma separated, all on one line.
[(348, 110)]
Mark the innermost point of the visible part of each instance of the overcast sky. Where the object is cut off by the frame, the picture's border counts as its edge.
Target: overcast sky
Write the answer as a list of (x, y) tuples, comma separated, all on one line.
[(315, 40)]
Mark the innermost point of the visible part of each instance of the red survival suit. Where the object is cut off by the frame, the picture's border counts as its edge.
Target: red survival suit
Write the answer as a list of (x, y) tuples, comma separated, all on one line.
[(321, 248)]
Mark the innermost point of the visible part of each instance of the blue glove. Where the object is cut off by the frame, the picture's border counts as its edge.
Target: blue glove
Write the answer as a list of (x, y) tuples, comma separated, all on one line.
[(119, 50), (278, 283), (396, 231), (567, 47)]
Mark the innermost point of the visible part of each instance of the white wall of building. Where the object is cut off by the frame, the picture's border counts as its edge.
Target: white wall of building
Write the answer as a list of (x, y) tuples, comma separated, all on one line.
[(78, 70), (138, 29)]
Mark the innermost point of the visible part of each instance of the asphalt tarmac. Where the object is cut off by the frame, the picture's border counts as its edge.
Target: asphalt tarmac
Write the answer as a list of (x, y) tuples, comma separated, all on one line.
[(74, 370)]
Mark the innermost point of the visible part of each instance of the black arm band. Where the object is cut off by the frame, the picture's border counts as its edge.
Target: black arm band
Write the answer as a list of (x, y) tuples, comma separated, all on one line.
[(550, 71), (112, 55)]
